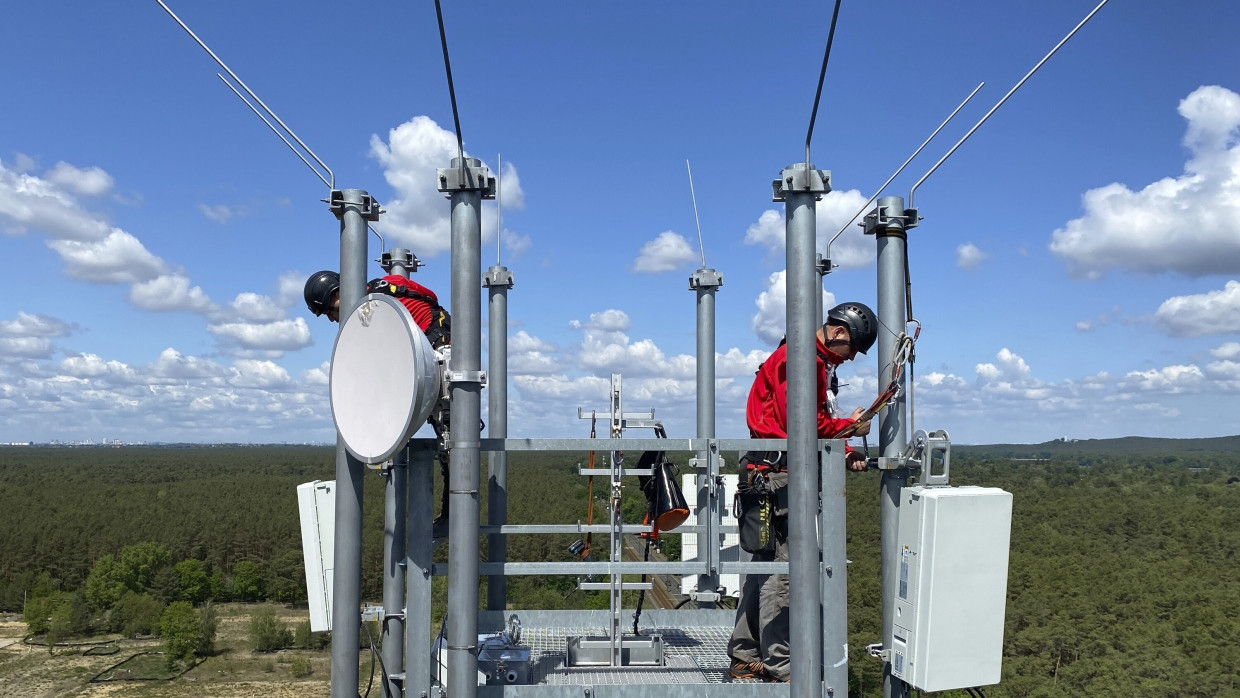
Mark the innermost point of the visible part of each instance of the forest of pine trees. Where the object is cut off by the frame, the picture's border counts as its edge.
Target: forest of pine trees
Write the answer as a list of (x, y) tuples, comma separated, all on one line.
[(1123, 577)]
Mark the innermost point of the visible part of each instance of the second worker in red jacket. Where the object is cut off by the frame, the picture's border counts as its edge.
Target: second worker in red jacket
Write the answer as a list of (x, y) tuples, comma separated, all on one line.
[(758, 648), (322, 293)]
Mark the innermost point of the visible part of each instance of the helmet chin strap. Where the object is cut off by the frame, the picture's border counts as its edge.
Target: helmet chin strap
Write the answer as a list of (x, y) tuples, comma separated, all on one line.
[(831, 355)]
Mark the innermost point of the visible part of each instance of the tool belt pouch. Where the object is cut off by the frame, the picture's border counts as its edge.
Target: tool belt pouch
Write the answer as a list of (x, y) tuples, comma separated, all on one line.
[(755, 504)]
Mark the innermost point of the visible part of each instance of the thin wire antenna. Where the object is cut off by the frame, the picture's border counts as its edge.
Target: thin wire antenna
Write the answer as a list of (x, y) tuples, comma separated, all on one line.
[(456, 120), (1004, 99), (273, 128), (693, 195), (906, 162), (332, 183), (499, 212), (821, 75)]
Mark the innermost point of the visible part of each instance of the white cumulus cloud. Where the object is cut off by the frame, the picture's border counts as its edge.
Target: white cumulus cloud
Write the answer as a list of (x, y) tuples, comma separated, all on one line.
[(1215, 312), (419, 217), (771, 320), (1009, 367), (278, 336), (118, 258), (92, 181), (1169, 379), (852, 249), (1186, 223), (1227, 350), (667, 252), (169, 292), (968, 256)]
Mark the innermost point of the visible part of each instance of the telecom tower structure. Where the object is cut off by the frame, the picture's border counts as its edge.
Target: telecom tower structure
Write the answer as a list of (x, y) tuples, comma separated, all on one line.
[(519, 652)]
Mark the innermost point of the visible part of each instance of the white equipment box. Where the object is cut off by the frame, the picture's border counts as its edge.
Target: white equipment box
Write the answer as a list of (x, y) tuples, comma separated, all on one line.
[(949, 606), (731, 550), (316, 503)]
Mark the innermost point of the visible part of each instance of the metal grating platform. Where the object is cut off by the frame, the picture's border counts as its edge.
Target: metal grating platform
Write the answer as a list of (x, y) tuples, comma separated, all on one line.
[(693, 655)]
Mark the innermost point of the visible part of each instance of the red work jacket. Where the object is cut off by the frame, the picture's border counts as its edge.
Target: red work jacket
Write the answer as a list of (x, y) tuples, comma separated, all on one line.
[(766, 411)]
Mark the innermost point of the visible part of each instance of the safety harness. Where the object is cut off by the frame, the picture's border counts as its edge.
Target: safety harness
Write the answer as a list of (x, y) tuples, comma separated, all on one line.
[(439, 332)]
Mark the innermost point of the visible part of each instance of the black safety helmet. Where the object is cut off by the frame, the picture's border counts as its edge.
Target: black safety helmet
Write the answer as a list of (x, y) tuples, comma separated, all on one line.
[(861, 323), (319, 289)]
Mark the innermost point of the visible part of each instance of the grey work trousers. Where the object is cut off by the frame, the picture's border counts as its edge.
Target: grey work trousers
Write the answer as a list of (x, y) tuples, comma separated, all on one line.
[(762, 624)]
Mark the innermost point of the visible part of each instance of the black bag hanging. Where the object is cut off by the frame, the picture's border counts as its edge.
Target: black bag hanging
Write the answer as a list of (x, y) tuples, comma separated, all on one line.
[(755, 507), (666, 508)]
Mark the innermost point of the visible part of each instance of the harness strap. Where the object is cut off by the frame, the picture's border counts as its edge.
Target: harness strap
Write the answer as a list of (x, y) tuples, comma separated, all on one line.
[(381, 286)]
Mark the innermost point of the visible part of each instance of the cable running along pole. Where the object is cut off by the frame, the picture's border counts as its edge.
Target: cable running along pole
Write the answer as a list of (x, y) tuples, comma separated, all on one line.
[(821, 76), (447, 65)]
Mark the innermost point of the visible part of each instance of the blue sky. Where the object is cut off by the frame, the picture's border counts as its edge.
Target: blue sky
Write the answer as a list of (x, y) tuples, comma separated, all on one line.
[(1077, 271)]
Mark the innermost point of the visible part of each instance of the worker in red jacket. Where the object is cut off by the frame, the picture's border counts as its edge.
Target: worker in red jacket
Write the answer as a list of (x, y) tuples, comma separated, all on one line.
[(759, 645), (323, 298), (322, 293)]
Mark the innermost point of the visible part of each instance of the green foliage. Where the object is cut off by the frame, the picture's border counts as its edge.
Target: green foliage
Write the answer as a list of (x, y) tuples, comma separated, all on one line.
[(210, 625), (57, 615), (37, 614), (286, 578), (140, 563), (1121, 580), (135, 614), (106, 583), (182, 632), (217, 505), (299, 666), (193, 585), (267, 632), (218, 586), (304, 638), (247, 582)]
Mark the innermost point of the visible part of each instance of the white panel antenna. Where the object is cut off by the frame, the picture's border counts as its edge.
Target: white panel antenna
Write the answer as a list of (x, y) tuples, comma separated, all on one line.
[(316, 503)]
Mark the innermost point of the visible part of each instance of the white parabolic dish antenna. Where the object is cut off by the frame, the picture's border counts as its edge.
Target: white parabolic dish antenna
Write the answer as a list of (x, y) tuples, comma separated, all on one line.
[(384, 379)]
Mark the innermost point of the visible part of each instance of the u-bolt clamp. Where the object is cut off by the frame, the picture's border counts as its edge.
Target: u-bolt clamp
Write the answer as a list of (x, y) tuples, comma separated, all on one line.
[(470, 377)]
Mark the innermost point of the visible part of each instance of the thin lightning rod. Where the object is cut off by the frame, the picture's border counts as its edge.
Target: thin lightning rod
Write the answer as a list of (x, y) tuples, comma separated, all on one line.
[(695, 214), (1004, 99), (499, 213), (906, 162), (273, 128), (821, 75), (332, 183)]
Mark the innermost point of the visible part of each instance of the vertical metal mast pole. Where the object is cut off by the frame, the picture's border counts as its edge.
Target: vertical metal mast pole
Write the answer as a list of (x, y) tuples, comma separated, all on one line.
[(353, 207), (800, 187), (418, 548), (395, 502), (888, 224), (833, 535), (706, 282), (466, 182), (498, 280)]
